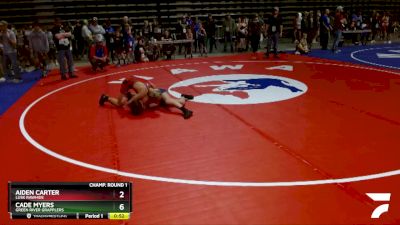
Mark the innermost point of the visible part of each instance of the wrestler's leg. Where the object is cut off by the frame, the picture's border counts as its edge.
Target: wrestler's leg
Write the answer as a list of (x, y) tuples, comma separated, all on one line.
[(182, 100), (119, 101), (178, 103), (172, 101)]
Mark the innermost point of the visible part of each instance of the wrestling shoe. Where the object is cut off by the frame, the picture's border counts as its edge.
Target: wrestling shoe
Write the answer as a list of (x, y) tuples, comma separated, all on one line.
[(103, 99), (188, 97), (187, 114)]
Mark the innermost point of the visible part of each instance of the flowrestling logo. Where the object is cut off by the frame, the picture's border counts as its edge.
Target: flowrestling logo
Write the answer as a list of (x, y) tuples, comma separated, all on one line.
[(380, 197), (239, 89)]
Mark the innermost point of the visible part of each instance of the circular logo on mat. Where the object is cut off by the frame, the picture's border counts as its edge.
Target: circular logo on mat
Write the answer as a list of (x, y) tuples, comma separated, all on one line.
[(239, 89)]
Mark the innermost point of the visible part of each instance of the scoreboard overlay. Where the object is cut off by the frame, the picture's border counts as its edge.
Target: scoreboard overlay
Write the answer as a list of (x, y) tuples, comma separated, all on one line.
[(75, 200)]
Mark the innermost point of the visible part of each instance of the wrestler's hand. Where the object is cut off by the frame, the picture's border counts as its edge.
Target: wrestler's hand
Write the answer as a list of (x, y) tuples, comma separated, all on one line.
[(124, 101), (128, 102)]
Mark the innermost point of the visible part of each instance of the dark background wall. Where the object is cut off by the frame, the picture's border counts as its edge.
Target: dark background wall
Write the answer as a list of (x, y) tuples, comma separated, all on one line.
[(20, 12)]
